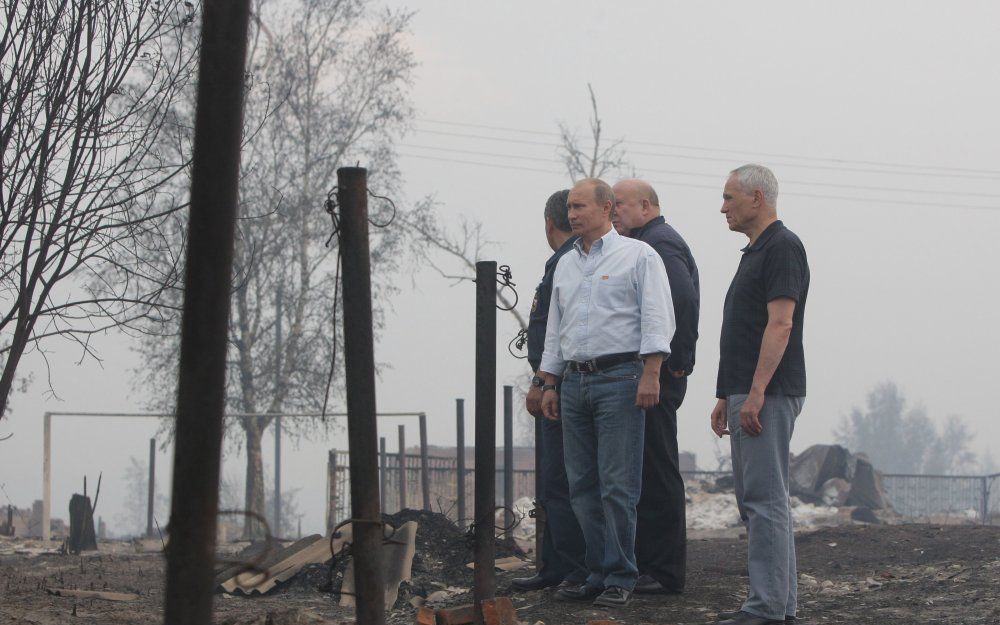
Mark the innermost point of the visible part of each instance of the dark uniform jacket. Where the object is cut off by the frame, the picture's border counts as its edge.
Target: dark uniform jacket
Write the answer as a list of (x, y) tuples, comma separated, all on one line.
[(684, 290), (539, 316)]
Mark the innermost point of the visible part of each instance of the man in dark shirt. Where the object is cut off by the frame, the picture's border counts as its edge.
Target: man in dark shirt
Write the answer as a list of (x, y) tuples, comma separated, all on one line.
[(661, 535), (761, 387), (563, 546)]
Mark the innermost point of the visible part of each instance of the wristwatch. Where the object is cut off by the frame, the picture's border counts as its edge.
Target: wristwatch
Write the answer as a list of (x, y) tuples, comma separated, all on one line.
[(538, 381), (548, 387)]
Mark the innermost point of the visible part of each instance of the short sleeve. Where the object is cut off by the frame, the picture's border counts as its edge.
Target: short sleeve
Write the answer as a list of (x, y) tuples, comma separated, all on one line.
[(785, 271)]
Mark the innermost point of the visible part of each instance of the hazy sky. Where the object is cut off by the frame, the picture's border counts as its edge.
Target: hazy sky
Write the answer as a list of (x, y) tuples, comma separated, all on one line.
[(879, 120)]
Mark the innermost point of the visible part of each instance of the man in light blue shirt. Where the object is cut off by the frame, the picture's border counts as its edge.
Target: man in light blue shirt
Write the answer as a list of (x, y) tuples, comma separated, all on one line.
[(610, 323)]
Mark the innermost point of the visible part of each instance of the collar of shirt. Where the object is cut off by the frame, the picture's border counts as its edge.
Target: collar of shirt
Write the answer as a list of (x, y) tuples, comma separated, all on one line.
[(638, 232), (565, 247), (764, 237), (604, 244)]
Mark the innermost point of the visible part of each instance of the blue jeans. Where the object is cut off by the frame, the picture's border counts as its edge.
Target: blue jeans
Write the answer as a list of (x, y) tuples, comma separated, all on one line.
[(603, 442)]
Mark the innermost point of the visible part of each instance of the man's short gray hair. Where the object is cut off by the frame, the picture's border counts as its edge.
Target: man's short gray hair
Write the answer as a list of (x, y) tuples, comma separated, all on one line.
[(758, 178)]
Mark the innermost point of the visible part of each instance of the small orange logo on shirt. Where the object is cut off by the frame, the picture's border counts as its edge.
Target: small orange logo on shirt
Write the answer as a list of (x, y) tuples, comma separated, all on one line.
[(604, 277)]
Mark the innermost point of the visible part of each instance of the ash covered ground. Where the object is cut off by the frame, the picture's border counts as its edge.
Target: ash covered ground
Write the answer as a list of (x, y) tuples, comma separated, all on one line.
[(850, 573)]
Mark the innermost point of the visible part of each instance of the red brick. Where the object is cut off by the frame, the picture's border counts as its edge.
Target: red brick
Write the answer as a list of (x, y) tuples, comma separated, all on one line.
[(461, 615), (499, 611)]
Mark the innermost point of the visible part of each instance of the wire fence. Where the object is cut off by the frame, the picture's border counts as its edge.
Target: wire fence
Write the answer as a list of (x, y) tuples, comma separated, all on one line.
[(928, 498)]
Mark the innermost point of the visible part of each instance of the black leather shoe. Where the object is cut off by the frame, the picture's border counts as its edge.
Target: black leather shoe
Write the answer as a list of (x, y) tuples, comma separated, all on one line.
[(728, 616), (533, 583), (745, 618), (646, 585), (577, 592), (614, 597)]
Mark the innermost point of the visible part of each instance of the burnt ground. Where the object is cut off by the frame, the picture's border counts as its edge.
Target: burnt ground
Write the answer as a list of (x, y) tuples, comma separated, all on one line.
[(850, 574)]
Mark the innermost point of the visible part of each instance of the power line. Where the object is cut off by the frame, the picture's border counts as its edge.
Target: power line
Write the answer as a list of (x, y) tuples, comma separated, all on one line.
[(716, 188), (715, 176), (842, 161), (722, 159)]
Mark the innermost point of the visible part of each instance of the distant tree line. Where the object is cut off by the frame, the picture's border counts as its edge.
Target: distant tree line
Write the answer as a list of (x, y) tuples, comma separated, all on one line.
[(899, 438)]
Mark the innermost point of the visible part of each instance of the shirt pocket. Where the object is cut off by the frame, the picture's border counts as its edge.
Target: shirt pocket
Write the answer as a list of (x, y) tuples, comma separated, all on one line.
[(616, 292)]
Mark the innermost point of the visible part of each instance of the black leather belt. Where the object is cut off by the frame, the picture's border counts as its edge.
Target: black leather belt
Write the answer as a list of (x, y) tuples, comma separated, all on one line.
[(602, 362)]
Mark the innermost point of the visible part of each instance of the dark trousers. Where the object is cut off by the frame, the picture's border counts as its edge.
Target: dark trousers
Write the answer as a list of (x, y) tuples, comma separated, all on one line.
[(661, 533), (563, 547)]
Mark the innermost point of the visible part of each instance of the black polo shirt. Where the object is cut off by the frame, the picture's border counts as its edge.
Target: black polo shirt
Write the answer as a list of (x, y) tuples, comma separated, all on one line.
[(775, 266), (682, 272), (539, 316)]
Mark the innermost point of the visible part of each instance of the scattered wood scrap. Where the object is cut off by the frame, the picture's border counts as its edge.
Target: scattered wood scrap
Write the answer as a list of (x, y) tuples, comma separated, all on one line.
[(280, 565), (92, 594), (510, 563)]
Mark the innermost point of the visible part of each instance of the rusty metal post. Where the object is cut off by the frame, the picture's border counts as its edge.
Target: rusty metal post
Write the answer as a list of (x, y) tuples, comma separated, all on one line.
[(201, 381), (359, 363), (460, 459), (402, 467), (383, 462), (151, 490), (539, 498), (508, 460), (484, 579), (425, 477)]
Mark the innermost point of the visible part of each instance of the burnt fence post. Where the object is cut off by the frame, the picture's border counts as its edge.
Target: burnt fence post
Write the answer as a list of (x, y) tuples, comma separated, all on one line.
[(359, 365), (460, 459), (484, 578), (425, 478), (215, 169)]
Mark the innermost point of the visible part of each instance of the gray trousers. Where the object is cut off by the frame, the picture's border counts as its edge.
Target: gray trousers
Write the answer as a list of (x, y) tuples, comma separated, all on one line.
[(760, 469)]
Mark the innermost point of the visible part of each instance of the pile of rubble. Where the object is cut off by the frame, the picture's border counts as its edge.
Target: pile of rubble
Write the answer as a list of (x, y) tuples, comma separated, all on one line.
[(828, 486)]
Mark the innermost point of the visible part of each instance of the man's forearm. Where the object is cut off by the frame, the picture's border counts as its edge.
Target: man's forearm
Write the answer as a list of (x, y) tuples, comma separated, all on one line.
[(772, 349), (652, 365)]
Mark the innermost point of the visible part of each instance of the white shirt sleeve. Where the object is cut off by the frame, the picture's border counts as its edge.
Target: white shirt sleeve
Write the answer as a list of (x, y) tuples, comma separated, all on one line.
[(552, 358), (656, 307)]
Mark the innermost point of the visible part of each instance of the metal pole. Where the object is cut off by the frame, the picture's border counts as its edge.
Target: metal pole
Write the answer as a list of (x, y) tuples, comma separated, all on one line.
[(986, 499), (331, 492), (402, 467), (359, 362), (276, 524), (508, 459), (484, 578), (539, 498), (205, 320), (383, 462), (46, 475), (278, 346), (460, 458), (425, 478), (151, 490)]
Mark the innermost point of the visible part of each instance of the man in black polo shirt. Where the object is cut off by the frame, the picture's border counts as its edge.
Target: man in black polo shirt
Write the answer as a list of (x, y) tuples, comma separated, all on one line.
[(661, 535), (563, 546), (761, 387)]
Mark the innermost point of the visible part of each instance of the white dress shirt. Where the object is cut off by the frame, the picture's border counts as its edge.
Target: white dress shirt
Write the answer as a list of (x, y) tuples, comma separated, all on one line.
[(614, 299)]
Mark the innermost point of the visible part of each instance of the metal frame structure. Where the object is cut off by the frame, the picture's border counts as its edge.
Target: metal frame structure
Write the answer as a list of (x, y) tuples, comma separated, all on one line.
[(47, 441)]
